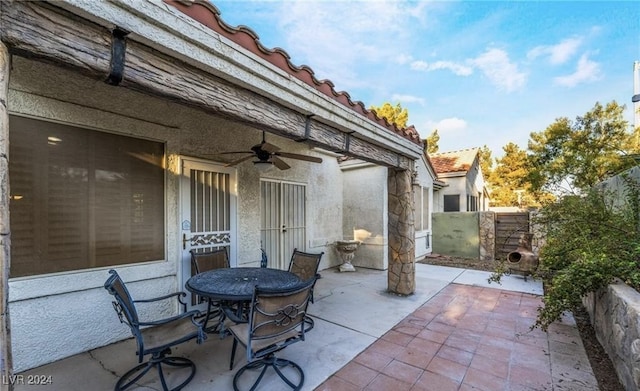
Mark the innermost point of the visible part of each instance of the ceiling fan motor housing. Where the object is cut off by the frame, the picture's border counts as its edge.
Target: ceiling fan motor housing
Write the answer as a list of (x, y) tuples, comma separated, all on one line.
[(261, 153)]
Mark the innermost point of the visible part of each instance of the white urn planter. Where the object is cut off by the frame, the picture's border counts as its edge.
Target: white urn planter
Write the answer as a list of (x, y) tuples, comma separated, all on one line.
[(347, 249)]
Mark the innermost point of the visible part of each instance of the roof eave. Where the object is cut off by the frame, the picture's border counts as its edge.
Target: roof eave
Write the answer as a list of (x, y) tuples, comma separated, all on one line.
[(167, 30)]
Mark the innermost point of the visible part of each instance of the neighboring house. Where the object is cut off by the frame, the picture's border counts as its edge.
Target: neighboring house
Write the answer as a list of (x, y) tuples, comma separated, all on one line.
[(465, 190), (115, 115)]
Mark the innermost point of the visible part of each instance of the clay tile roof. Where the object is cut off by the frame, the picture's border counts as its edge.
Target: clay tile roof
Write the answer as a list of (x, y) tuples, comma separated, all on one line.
[(206, 13), (454, 161)]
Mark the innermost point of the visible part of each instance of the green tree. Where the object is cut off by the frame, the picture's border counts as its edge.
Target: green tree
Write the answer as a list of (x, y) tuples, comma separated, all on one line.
[(576, 155), (486, 162), (508, 179), (589, 241), (509, 184), (432, 142), (394, 114)]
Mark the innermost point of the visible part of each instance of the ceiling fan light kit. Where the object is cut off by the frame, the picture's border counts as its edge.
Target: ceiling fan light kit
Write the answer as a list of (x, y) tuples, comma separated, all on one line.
[(268, 156), (262, 166)]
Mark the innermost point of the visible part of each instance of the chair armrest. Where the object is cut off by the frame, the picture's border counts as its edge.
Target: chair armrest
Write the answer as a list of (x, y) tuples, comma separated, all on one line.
[(192, 314), (237, 314), (201, 336)]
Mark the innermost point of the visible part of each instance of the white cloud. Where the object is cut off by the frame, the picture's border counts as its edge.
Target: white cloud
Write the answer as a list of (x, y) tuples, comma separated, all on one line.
[(447, 125), (340, 39), (456, 69), (496, 66), (404, 59), (559, 53), (407, 99), (586, 71)]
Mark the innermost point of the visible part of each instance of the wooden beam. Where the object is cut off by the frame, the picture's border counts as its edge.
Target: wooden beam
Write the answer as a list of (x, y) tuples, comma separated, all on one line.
[(6, 362), (37, 30)]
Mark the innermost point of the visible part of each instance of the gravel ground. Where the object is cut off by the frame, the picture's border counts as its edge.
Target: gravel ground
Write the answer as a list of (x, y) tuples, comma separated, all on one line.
[(600, 362)]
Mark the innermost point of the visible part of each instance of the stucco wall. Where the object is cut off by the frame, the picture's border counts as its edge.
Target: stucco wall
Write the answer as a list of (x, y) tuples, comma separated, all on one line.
[(365, 213), (456, 234), (54, 316)]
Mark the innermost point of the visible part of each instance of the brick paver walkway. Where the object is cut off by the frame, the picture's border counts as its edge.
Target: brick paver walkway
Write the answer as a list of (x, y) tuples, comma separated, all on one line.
[(468, 338)]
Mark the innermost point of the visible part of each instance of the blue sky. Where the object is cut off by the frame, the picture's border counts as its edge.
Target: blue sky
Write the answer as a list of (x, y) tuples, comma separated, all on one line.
[(482, 73)]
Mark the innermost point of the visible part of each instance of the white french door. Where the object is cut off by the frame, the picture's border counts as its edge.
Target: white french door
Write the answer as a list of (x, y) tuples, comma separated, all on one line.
[(282, 220), (208, 212)]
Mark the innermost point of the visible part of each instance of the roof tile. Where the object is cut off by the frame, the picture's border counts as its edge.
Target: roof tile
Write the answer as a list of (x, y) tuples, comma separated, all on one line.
[(208, 14), (454, 161)]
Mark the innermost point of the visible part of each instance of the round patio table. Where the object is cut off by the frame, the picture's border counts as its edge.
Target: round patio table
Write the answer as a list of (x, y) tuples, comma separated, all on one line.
[(238, 283)]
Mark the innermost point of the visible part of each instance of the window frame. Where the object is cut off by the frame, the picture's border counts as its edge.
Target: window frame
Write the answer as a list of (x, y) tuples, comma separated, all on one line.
[(422, 208), (157, 186), (446, 197)]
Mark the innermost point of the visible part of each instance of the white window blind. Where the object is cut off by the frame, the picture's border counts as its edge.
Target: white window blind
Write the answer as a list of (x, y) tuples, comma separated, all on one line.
[(82, 198), (421, 202)]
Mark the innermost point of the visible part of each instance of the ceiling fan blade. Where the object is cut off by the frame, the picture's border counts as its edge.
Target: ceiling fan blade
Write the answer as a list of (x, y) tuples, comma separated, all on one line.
[(237, 161), (230, 152), (269, 147), (312, 159), (281, 164)]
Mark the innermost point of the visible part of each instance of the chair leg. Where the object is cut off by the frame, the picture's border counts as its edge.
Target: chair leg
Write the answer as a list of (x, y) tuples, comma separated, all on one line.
[(233, 353), (125, 382), (179, 362), (309, 323), (132, 376), (277, 364)]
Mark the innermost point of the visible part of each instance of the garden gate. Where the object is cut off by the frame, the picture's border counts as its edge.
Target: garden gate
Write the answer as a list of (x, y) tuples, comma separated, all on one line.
[(509, 227)]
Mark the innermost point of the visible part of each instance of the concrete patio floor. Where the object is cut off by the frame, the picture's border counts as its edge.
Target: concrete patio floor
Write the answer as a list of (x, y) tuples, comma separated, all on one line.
[(457, 332)]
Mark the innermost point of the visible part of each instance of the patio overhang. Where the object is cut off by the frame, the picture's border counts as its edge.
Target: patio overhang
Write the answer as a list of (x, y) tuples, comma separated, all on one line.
[(167, 54), (438, 184)]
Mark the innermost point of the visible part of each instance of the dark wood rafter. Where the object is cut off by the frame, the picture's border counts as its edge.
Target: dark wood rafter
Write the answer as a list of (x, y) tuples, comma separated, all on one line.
[(6, 358), (39, 30)]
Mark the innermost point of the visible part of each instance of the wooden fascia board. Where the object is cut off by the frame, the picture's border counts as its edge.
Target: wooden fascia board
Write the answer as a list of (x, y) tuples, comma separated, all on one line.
[(427, 162), (456, 174), (201, 76)]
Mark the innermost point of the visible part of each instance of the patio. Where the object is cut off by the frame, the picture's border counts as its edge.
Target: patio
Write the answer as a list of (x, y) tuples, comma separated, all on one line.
[(456, 332)]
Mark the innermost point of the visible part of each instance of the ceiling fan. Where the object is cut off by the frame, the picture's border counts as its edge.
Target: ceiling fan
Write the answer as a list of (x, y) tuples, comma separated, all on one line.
[(269, 154)]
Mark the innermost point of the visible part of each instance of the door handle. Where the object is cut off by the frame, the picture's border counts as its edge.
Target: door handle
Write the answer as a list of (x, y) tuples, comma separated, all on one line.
[(284, 229), (184, 241)]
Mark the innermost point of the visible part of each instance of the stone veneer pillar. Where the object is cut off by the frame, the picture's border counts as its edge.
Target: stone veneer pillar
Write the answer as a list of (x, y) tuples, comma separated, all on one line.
[(487, 231), (6, 367), (401, 277)]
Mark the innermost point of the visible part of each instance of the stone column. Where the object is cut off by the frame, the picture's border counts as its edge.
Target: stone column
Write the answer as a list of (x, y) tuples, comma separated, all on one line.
[(487, 231), (401, 277), (6, 364)]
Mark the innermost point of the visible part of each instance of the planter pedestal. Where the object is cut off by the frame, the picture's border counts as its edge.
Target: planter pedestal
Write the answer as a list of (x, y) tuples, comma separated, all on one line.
[(347, 249)]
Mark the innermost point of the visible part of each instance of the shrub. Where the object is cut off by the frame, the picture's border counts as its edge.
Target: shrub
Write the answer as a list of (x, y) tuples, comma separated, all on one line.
[(590, 240)]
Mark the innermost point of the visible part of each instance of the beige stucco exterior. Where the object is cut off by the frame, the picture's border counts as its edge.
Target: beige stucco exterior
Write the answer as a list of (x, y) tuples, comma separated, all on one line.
[(50, 93), (57, 315)]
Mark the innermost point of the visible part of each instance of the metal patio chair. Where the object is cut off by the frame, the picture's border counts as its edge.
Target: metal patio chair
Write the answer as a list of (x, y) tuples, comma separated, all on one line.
[(154, 338), (204, 261), (277, 320), (264, 260), (208, 260), (305, 265)]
